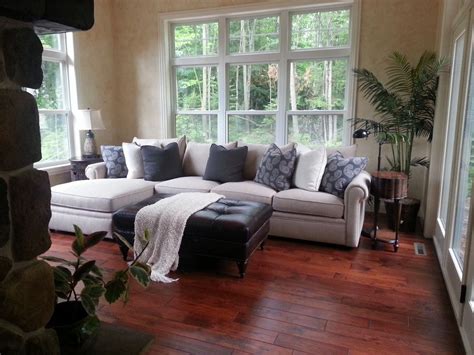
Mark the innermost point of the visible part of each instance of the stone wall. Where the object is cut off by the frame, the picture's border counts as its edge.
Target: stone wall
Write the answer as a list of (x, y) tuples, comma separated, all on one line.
[(26, 284)]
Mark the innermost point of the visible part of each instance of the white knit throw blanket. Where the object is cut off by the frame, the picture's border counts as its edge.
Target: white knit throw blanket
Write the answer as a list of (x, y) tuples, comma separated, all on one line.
[(165, 221)]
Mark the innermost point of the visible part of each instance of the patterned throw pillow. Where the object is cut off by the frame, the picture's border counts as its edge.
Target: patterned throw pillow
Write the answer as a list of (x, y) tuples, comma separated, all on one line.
[(277, 168), (114, 161), (340, 172)]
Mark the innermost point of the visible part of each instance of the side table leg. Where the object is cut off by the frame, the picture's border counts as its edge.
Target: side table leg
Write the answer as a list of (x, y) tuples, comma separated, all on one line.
[(376, 220), (397, 206)]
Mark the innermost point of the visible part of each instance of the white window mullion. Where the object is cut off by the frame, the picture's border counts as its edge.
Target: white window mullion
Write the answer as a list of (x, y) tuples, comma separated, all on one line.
[(222, 82), (283, 66)]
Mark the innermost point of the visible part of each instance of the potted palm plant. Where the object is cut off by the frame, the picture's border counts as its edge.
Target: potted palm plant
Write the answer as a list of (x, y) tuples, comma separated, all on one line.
[(79, 285), (405, 106)]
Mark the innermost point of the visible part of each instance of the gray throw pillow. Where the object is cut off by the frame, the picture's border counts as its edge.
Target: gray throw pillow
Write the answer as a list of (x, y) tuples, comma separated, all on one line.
[(277, 168), (160, 164), (340, 172), (114, 161), (225, 165)]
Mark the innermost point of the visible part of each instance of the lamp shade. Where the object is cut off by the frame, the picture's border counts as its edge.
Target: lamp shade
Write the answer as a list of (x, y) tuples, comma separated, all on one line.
[(89, 120)]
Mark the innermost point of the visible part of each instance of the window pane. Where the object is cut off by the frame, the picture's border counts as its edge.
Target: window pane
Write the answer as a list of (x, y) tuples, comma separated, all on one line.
[(197, 128), (253, 86), (50, 95), (254, 35), (314, 130), (51, 41), (466, 178), (252, 128), (318, 85), (196, 40), (197, 88), (54, 137), (456, 71), (320, 29)]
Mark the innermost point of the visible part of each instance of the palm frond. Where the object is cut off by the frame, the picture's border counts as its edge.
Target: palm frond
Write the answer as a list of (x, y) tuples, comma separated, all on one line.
[(420, 161)]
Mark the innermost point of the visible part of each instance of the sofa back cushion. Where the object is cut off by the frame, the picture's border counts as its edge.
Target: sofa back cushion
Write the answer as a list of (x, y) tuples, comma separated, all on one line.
[(348, 151), (254, 157), (196, 156), (163, 143), (225, 165), (161, 163)]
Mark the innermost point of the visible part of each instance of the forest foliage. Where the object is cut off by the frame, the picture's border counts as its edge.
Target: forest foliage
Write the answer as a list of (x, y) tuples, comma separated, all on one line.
[(252, 88)]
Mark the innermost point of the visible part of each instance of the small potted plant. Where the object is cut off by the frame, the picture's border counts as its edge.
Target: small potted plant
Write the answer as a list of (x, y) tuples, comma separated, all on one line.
[(79, 285), (405, 106)]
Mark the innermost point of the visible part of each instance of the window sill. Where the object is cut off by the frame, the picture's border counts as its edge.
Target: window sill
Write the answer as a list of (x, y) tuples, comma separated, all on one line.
[(56, 169)]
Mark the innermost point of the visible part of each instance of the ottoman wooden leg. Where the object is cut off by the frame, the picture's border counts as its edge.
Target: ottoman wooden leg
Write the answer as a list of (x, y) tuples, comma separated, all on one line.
[(262, 245), (242, 267)]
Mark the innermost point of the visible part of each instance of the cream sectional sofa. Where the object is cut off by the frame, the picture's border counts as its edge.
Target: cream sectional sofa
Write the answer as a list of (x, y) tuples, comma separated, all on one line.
[(299, 214)]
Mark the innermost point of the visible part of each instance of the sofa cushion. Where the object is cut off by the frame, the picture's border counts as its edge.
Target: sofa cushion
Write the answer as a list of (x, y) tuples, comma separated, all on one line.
[(163, 142), (133, 160), (161, 164), (185, 184), (246, 191), (348, 151), (276, 168), (102, 195), (196, 156), (254, 157), (340, 172), (310, 169), (114, 160), (225, 165), (309, 203)]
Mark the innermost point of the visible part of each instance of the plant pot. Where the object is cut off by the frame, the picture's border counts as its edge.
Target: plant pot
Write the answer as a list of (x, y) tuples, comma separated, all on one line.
[(408, 216), (73, 325)]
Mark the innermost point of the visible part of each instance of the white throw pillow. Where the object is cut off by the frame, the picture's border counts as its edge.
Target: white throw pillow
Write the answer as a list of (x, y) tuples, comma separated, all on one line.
[(133, 160), (310, 169)]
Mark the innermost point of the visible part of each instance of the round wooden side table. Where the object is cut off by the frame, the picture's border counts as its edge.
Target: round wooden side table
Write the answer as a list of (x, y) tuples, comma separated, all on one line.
[(388, 185)]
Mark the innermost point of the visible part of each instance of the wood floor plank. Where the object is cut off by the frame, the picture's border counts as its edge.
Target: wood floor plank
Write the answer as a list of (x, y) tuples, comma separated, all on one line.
[(297, 297)]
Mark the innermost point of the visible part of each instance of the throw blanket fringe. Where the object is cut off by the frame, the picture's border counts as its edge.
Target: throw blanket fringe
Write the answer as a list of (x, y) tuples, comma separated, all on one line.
[(165, 221)]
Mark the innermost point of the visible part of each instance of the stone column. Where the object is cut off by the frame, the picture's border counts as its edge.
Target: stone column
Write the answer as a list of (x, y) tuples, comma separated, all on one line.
[(26, 284)]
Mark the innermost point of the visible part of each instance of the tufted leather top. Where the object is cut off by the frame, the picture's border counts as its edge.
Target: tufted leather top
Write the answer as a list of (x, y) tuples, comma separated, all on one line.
[(234, 221)]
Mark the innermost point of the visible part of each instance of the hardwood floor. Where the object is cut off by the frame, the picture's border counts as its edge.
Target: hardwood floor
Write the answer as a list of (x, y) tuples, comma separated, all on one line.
[(297, 297)]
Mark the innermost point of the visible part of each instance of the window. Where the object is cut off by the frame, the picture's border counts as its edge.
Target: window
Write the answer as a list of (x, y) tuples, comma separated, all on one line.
[(278, 76), (53, 102)]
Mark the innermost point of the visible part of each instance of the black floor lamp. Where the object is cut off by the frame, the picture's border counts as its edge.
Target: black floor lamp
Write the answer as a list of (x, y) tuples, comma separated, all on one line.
[(365, 133)]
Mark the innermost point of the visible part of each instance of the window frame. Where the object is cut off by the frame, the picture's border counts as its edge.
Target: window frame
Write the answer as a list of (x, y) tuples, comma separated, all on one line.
[(167, 62), (60, 56)]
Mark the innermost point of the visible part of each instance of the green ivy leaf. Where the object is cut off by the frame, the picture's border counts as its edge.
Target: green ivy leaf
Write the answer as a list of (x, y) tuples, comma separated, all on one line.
[(97, 271), (93, 291), (57, 260), (123, 240), (114, 289), (78, 244), (93, 239), (140, 274), (83, 270), (89, 304)]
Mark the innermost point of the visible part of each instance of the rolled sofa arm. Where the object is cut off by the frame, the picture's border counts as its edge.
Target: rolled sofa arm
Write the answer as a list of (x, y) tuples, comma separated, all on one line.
[(96, 171), (355, 196)]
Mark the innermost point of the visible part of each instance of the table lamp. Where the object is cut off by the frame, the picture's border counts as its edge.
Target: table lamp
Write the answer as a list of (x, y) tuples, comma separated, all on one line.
[(89, 120)]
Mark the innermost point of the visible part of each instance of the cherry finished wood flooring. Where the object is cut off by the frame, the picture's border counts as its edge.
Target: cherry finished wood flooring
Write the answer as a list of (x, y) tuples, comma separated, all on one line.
[(297, 297)]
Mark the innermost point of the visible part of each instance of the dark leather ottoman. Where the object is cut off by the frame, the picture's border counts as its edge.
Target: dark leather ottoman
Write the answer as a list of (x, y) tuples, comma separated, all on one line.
[(227, 229)]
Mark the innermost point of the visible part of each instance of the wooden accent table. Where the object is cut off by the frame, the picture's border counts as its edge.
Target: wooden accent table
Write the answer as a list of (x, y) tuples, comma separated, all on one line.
[(388, 185), (79, 164)]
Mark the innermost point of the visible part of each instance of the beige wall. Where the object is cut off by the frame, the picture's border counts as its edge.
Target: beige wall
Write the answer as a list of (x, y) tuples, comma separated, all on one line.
[(95, 71), (118, 68)]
